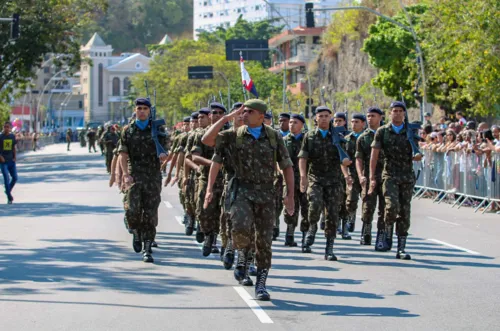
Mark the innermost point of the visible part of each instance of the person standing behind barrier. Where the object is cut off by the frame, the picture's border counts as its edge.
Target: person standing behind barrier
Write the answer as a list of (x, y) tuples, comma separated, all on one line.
[(398, 176), (69, 134), (8, 160), (363, 154)]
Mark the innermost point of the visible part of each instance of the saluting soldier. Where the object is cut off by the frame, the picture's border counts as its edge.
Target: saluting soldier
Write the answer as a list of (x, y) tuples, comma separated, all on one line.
[(398, 176), (363, 154), (142, 178), (293, 143), (256, 149), (320, 175)]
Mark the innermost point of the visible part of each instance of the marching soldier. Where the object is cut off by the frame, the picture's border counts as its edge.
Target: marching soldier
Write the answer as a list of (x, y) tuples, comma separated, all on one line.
[(363, 153), (202, 154), (69, 135), (398, 176), (358, 122), (91, 137), (110, 140), (293, 143), (255, 150), (320, 176), (142, 178), (98, 135)]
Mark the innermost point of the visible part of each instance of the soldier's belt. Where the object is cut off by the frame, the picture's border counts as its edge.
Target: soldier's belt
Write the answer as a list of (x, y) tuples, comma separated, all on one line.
[(254, 186)]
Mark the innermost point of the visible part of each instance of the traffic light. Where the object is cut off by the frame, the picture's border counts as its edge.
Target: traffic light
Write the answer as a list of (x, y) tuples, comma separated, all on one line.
[(14, 30), (309, 15)]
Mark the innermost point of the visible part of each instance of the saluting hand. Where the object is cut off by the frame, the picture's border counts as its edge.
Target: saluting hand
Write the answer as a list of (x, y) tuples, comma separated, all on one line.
[(235, 113)]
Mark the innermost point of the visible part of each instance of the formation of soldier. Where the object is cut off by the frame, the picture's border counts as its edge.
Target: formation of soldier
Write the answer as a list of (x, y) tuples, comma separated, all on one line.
[(236, 180)]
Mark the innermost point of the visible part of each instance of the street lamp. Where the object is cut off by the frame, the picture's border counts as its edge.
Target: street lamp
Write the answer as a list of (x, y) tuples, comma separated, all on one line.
[(45, 87)]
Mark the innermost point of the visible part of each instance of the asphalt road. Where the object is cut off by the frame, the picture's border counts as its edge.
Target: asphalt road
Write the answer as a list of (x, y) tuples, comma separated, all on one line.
[(66, 263)]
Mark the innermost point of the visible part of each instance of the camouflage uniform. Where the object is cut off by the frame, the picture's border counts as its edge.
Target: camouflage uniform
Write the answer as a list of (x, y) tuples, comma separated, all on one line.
[(325, 180), (174, 148), (352, 194), (192, 186), (99, 133), (363, 152), (398, 178), (110, 140), (142, 199), (252, 190), (69, 134)]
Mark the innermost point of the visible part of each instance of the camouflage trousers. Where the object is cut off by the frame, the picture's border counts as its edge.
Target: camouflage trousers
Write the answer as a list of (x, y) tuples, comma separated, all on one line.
[(109, 159), (190, 197), (278, 187), (343, 213), (141, 202), (352, 197), (369, 204), (301, 204), (253, 222), (398, 196), (327, 198), (210, 217), (225, 219), (92, 145), (181, 195)]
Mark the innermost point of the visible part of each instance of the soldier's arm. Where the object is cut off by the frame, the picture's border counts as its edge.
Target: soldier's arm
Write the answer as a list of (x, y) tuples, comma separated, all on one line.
[(359, 157), (376, 147), (196, 152), (211, 135)]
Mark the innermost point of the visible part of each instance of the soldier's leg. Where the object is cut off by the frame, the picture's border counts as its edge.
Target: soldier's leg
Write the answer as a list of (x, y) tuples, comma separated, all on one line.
[(242, 221), (403, 219), (151, 198), (352, 203), (367, 210), (304, 208), (315, 198), (132, 203), (332, 201), (291, 222), (278, 186), (209, 217), (264, 216), (390, 189)]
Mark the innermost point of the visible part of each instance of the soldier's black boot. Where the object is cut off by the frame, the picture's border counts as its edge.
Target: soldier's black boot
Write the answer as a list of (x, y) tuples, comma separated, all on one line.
[(222, 252), (345, 230), (305, 246), (215, 250), (241, 265), (207, 244), (154, 244), (247, 281), (147, 255), (339, 227), (136, 241), (251, 264), (185, 219), (401, 254), (200, 236), (189, 226), (366, 234), (311, 234), (329, 256), (381, 242), (260, 285), (276, 233), (322, 222), (228, 260), (290, 230), (389, 232), (351, 221)]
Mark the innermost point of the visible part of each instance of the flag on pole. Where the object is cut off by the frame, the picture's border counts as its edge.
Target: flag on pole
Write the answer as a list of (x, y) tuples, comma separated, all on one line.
[(245, 78)]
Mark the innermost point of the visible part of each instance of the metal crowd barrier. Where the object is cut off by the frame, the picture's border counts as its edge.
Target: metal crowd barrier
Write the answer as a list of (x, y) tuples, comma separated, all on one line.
[(26, 143), (460, 177)]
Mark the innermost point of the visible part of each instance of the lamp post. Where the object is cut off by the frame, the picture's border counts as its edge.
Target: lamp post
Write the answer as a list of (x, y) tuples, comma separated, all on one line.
[(407, 28), (45, 87)]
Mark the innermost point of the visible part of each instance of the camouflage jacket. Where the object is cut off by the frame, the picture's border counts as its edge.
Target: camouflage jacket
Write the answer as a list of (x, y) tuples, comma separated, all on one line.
[(397, 153), (181, 142), (364, 150), (206, 152), (222, 156), (350, 148), (254, 160), (293, 146), (110, 139), (323, 158), (140, 147)]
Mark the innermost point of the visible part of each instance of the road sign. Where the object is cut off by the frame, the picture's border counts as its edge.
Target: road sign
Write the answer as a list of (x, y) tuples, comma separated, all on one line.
[(234, 46), (201, 72)]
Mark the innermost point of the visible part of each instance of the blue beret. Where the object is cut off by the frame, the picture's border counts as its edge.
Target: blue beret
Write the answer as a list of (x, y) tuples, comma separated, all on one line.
[(194, 116), (268, 115), (359, 117), (285, 115), (322, 109), (187, 119), (142, 102), (398, 104), (217, 105), (375, 110), (205, 111), (340, 115), (299, 117), (237, 105)]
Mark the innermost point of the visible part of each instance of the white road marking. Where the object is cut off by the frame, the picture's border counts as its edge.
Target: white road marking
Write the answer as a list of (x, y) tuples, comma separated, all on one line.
[(454, 246), (167, 204), (257, 310), (442, 221), (179, 219)]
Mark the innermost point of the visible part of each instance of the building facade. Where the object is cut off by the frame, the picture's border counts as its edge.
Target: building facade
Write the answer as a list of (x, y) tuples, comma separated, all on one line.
[(210, 14)]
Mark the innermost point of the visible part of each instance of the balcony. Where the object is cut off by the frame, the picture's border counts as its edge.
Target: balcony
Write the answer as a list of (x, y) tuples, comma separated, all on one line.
[(306, 53)]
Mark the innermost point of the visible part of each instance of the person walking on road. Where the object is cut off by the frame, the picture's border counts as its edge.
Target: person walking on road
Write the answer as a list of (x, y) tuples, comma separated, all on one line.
[(92, 136), (110, 140), (8, 160), (69, 135), (142, 178)]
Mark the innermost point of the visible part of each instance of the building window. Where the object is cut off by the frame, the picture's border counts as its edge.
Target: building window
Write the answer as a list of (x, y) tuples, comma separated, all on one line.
[(126, 86), (46, 70), (100, 83), (116, 86), (46, 81)]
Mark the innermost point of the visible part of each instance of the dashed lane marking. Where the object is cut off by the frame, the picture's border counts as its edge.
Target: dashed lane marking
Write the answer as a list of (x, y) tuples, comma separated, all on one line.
[(257, 310), (168, 204), (455, 247), (442, 221)]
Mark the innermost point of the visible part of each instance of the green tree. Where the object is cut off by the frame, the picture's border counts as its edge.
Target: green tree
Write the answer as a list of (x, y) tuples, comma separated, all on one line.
[(4, 112), (47, 26)]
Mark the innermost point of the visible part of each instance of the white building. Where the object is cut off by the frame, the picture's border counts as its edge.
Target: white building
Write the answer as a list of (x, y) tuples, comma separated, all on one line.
[(105, 84), (209, 14)]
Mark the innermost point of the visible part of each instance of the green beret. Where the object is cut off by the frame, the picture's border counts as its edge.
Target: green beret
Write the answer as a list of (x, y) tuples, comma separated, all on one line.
[(257, 104)]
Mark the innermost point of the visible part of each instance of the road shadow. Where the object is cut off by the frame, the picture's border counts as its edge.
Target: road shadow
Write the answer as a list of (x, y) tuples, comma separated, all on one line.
[(50, 209), (325, 292)]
